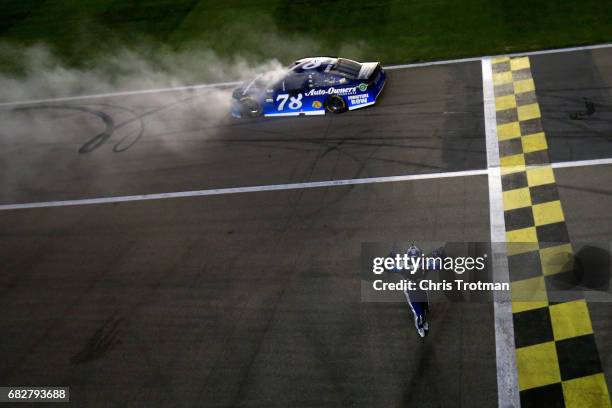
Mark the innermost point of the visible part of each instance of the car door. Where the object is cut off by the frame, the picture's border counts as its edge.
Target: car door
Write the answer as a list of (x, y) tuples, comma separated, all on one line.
[(319, 84), (289, 95)]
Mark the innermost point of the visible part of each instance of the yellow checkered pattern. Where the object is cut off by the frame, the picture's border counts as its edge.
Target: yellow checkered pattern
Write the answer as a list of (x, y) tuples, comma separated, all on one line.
[(557, 361)]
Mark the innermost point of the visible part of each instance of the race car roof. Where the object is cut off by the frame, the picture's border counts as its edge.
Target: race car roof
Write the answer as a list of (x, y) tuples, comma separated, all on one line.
[(347, 67), (313, 64), (340, 66)]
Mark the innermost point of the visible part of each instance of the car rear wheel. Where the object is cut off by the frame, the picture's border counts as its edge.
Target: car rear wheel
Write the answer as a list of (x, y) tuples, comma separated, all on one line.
[(251, 107), (335, 104)]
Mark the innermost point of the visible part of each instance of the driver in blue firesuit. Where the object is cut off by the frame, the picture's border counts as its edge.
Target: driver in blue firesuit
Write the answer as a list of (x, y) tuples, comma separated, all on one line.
[(417, 298)]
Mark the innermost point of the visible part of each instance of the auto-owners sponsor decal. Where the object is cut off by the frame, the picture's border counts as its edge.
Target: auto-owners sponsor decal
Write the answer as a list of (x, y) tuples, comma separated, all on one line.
[(332, 91)]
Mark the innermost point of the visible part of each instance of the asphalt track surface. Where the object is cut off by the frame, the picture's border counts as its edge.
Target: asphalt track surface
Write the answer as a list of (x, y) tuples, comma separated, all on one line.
[(254, 299), (565, 84)]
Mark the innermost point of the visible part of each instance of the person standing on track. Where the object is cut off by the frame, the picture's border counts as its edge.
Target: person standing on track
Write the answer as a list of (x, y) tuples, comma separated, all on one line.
[(417, 298)]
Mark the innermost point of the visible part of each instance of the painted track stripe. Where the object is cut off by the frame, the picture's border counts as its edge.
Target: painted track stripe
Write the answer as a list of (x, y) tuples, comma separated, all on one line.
[(507, 380), (253, 189), (124, 93), (516, 54), (233, 83), (578, 163), (279, 187)]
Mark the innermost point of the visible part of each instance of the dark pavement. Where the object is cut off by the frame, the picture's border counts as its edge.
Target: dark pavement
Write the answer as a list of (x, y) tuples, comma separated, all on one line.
[(567, 84), (429, 120), (249, 299), (586, 194), (254, 299)]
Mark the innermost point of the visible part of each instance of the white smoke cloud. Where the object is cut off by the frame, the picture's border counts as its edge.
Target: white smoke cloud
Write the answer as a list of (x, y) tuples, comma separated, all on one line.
[(45, 76), (262, 49), (32, 137)]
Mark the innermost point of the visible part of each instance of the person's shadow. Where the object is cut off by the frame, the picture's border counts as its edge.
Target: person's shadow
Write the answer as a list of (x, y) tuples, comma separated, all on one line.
[(587, 270)]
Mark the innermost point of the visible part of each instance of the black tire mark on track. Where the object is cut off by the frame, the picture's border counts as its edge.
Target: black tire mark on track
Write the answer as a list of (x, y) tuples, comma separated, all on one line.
[(104, 339), (101, 138), (96, 141), (140, 133)]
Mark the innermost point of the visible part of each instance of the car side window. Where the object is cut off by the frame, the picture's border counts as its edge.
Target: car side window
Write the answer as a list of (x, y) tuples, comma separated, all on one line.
[(316, 79), (321, 79), (295, 82)]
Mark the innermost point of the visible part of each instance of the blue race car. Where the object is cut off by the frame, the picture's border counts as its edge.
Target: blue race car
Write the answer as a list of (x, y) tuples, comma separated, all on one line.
[(311, 86)]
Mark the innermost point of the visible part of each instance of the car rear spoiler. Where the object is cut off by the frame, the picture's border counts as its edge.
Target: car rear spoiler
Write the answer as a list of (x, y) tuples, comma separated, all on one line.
[(368, 69)]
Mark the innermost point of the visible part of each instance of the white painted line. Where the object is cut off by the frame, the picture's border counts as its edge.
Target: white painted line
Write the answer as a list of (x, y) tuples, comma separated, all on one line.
[(507, 377), (233, 83), (125, 93), (514, 54), (235, 190), (581, 163), (559, 50), (294, 186), (433, 63)]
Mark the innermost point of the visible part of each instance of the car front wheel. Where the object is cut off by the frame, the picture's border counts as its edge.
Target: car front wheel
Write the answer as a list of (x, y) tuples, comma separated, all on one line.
[(251, 107)]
